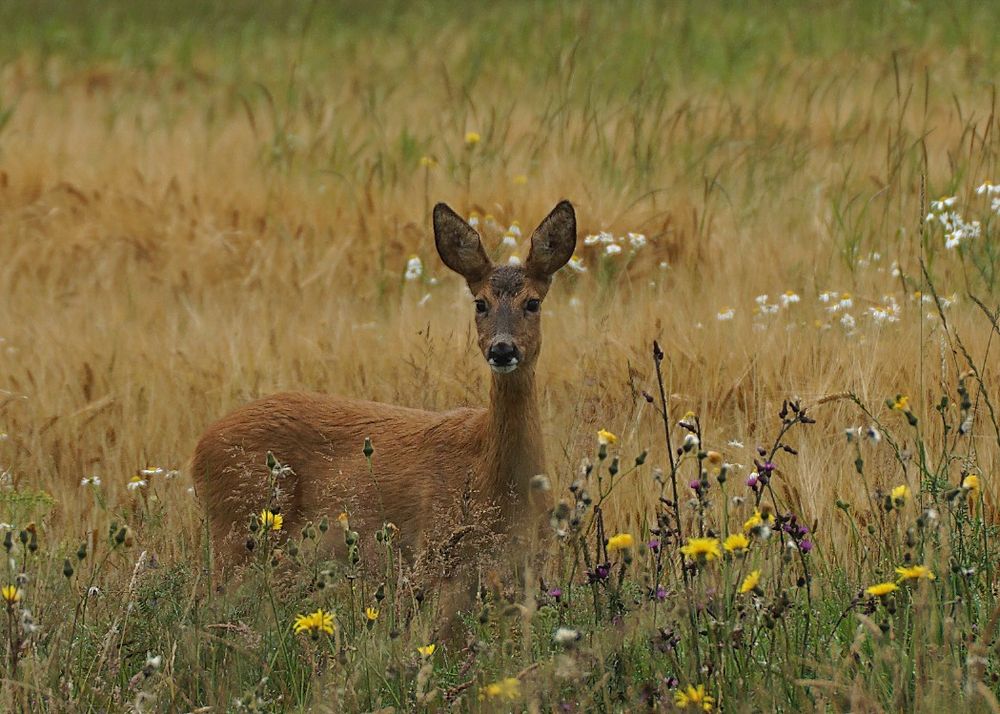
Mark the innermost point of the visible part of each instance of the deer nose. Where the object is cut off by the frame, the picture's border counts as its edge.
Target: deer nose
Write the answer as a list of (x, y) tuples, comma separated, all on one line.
[(502, 354)]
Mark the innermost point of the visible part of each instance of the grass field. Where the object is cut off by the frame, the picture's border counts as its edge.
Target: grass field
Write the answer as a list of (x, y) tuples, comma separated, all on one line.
[(202, 203)]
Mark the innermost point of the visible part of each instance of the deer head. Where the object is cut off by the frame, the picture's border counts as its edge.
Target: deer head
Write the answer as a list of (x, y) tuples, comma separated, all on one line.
[(508, 298)]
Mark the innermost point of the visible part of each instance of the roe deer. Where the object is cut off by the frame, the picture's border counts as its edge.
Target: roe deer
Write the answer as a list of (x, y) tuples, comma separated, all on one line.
[(421, 457)]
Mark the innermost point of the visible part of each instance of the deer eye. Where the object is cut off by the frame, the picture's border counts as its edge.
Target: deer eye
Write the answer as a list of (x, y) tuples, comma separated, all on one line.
[(533, 305), (481, 307)]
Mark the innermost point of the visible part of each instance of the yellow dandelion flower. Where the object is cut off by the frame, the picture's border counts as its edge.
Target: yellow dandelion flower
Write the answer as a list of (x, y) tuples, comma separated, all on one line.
[(694, 697), (428, 162), (314, 623), (10, 594), (881, 589), (271, 520), (520, 180), (900, 494), (902, 403), (971, 483), (472, 138), (620, 541), (914, 572), (605, 437), (509, 688), (371, 614), (757, 520), (706, 549), (737, 542), (750, 582), (426, 650)]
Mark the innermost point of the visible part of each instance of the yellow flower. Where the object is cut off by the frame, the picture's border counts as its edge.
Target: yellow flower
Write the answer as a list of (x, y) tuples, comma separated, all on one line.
[(319, 621), (902, 403), (343, 521), (900, 494), (472, 138), (509, 688), (694, 697), (371, 614), (736, 542), (520, 180), (427, 650), (271, 520), (706, 549), (10, 593), (914, 572), (428, 162), (971, 483), (882, 589), (756, 520), (605, 437), (620, 541), (750, 582)]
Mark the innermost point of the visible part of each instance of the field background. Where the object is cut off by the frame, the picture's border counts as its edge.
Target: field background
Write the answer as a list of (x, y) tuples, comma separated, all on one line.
[(202, 203)]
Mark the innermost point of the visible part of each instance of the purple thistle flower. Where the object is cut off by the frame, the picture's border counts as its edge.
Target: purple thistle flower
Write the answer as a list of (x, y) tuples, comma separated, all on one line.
[(695, 485), (555, 593), (654, 545), (752, 480), (767, 466), (661, 593), (805, 546)]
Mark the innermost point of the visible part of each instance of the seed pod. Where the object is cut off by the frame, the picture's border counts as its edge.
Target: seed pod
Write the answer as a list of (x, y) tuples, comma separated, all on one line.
[(81, 552), (67, 568), (368, 450)]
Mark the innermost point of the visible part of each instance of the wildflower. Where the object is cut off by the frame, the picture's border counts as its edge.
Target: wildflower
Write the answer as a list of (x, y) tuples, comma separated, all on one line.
[(576, 263), (136, 482), (509, 688), (736, 444), (605, 437), (555, 593), (520, 180), (509, 241), (690, 442), (313, 624), (848, 322), (789, 298), (727, 314), (152, 664), (702, 549), (342, 519), (752, 480), (901, 404), (899, 495), (612, 249), (472, 138), (426, 650), (474, 219), (914, 572), (943, 203), (513, 260), (620, 541), (152, 471), (371, 614), (750, 582), (694, 697), (873, 435), (94, 481), (414, 268), (736, 543), (428, 162), (271, 520), (971, 484), (756, 521), (565, 636), (881, 589), (805, 545), (11, 594), (637, 240)]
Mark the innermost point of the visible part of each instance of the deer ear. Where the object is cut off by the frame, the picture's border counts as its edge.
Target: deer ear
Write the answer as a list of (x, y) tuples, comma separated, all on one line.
[(459, 246), (553, 242)]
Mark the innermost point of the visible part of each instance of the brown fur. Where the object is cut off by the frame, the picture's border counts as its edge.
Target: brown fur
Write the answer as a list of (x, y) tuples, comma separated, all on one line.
[(421, 459)]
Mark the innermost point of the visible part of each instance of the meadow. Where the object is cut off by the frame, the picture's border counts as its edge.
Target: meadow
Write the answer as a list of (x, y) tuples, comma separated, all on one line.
[(769, 382)]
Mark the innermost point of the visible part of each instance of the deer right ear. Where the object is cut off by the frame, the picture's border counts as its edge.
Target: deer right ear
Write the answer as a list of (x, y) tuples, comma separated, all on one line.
[(459, 246)]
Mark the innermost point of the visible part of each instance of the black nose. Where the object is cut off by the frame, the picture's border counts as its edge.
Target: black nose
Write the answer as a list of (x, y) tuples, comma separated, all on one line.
[(502, 354)]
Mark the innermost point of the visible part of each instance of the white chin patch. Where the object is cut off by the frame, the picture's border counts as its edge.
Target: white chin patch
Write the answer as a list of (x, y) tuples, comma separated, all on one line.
[(503, 369)]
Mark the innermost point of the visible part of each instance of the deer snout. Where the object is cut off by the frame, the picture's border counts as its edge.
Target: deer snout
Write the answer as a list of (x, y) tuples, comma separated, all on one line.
[(503, 356)]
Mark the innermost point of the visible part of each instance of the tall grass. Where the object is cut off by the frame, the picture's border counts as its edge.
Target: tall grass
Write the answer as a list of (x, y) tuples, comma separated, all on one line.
[(203, 203)]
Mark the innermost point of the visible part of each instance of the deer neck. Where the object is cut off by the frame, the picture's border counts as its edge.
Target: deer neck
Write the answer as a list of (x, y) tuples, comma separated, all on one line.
[(513, 451)]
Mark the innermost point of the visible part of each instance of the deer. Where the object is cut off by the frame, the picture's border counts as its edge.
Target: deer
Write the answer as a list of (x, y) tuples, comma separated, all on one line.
[(420, 457)]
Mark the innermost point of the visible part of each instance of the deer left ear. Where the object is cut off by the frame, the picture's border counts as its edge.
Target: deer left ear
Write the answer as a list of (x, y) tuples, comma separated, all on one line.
[(553, 242)]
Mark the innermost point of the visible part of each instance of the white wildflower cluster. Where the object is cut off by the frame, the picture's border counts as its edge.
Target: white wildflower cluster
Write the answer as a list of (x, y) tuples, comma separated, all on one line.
[(956, 229), (888, 311), (764, 307), (615, 245), (727, 314), (991, 191)]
